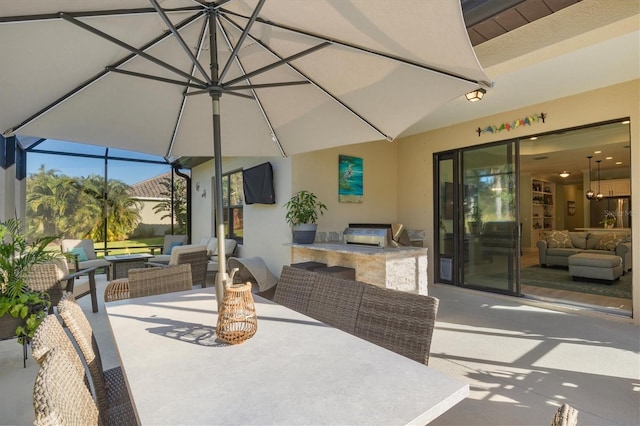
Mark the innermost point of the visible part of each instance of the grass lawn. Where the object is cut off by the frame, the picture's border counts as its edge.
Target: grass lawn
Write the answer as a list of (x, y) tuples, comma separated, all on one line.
[(143, 245)]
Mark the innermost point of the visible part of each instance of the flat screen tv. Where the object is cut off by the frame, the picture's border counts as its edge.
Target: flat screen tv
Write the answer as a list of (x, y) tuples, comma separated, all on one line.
[(257, 182)]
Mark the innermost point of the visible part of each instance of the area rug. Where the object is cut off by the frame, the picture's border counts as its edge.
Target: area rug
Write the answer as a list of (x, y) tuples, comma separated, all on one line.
[(559, 278)]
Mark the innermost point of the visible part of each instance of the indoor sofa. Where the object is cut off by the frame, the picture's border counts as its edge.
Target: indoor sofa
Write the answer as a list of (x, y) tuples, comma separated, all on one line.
[(557, 246)]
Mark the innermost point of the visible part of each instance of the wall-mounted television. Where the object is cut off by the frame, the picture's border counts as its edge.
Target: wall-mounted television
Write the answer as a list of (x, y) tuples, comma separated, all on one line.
[(257, 183)]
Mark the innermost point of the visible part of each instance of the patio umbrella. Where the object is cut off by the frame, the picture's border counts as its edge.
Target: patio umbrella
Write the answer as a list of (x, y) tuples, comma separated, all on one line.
[(229, 77)]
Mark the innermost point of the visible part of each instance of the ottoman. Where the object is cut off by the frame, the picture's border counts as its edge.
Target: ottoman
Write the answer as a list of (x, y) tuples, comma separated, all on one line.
[(596, 266)]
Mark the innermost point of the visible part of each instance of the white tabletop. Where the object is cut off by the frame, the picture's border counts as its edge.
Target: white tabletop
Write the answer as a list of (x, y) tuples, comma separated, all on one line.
[(295, 370)]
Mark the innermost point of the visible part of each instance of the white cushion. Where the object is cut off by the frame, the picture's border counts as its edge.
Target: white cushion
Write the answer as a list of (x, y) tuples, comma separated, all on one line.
[(212, 246), (183, 249)]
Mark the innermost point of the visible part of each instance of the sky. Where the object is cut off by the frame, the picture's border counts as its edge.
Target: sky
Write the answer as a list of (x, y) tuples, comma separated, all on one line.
[(74, 166)]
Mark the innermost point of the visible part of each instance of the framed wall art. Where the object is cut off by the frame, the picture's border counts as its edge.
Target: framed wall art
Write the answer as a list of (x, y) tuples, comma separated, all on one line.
[(350, 179)]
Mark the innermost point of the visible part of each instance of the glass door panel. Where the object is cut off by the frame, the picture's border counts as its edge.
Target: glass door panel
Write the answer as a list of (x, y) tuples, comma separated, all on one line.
[(491, 225), (446, 219)]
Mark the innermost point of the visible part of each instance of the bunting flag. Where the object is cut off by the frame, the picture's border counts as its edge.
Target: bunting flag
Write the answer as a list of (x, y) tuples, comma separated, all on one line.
[(526, 121)]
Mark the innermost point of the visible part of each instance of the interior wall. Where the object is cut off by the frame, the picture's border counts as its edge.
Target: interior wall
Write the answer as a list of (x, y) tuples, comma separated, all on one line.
[(573, 193), (318, 172), (415, 152)]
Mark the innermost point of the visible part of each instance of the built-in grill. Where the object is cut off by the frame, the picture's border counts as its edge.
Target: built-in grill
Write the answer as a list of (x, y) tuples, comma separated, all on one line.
[(376, 235)]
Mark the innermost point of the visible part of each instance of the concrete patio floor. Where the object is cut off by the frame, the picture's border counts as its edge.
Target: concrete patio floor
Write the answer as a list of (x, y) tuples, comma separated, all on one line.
[(521, 358)]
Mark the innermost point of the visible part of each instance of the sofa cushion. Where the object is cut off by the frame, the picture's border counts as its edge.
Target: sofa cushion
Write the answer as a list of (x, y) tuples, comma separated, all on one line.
[(579, 239), (229, 246), (563, 251), (558, 239), (592, 240), (609, 241)]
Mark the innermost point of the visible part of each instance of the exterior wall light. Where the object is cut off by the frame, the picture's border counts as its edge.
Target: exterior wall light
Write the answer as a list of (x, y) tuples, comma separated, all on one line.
[(476, 95)]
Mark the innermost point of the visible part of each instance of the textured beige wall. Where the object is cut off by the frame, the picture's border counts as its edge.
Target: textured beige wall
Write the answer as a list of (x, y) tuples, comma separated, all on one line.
[(415, 153), (318, 172)]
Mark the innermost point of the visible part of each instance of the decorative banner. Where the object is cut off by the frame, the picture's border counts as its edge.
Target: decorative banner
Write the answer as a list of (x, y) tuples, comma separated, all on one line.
[(350, 174), (527, 121)]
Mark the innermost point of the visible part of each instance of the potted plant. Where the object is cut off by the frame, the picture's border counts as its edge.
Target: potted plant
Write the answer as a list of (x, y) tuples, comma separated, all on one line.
[(303, 210), (21, 309), (609, 220)]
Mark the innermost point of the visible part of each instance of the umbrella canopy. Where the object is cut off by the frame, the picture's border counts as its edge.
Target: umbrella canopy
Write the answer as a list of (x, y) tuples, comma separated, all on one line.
[(229, 77), (295, 75)]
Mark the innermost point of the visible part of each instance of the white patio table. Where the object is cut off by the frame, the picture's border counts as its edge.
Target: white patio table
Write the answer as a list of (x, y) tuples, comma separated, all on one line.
[(295, 370)]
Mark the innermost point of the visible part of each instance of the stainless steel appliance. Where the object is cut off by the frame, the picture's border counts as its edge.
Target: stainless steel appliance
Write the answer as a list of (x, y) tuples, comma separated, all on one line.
[(377, 235), (620, 207)]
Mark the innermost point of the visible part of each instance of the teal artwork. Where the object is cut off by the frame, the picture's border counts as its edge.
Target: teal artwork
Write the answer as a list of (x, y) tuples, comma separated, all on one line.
[(350, 174)]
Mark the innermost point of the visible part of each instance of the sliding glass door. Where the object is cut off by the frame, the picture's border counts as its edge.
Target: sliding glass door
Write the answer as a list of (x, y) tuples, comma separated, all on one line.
[(478, 224)]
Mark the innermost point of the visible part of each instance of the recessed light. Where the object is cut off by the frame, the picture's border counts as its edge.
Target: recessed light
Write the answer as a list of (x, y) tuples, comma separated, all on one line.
[(533, 138), (618, 162), (597, 152), (626, 122), (609, 158)]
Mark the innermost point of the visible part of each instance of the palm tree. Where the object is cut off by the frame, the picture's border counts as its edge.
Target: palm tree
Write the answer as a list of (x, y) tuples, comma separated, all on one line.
[(51, 198), (123, 212), (176, 201)]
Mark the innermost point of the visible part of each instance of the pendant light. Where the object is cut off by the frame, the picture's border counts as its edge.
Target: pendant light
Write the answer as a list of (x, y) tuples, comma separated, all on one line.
[(590, 194), (599, 195)]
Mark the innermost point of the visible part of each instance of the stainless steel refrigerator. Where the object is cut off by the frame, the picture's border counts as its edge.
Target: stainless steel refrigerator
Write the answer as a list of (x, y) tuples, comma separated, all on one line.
[(620, 207)]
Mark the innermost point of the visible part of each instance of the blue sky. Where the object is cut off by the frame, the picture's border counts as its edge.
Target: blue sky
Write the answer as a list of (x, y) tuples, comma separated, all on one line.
[(125, 171)]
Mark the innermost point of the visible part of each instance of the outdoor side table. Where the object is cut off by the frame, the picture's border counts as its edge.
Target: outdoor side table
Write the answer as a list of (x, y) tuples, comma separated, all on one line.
[(120, 264)]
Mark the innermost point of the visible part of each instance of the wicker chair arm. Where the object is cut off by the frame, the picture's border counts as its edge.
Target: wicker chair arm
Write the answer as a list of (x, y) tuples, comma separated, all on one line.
[(156, 265)]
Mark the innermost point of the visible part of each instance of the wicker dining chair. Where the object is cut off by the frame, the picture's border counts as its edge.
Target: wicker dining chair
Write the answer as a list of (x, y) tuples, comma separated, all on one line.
[(335, 301), (565, 416), (399, 321), (51, 401), (110, 386), (294, 288), (149, 281), (50, 334), (59, 394)]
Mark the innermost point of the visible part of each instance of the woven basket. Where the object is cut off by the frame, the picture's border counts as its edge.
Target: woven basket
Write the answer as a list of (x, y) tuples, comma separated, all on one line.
[(237, 320)]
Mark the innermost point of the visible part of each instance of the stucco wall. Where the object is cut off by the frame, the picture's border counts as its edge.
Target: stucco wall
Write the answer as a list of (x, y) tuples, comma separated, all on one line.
[(318, 172), (265, 230), (415, 153)]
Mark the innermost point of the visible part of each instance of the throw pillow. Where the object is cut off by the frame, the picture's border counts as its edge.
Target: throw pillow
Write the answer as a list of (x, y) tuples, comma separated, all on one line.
[(229, 246), (609, 242), (212, 246), (579, 239), (558, 239), (593, 239), (80, 253), (172, 245)]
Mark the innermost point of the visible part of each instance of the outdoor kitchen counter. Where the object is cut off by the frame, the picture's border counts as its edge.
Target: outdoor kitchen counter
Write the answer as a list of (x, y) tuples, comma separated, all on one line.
[(401, 268)]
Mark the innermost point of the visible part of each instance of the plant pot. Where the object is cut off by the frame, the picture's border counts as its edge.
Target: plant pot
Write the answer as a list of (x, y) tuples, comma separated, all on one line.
[(8, 325), (305, 233)]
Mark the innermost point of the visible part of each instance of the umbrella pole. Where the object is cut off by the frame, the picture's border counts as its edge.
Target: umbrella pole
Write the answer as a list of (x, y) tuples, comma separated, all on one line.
[(221, 276)]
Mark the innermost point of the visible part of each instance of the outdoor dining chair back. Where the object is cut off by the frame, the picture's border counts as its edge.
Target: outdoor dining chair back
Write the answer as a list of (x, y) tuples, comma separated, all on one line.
[(294, 288), (335, 301), (110, 387), (60, 395), (396, 320), (50, 334), (150, 281)]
